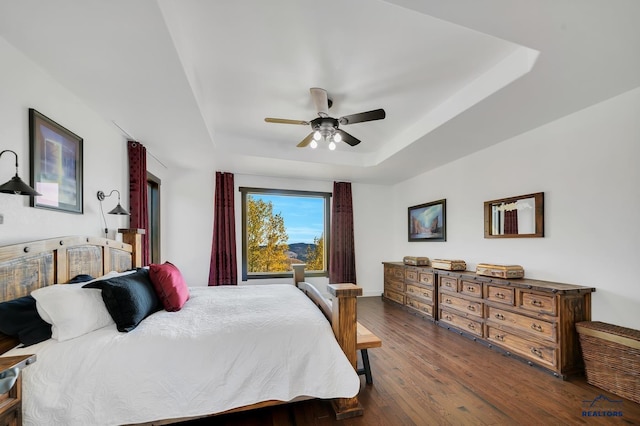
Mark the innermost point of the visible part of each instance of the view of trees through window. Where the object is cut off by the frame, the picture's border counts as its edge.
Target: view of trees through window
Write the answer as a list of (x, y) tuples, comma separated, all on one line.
[(282, 228)]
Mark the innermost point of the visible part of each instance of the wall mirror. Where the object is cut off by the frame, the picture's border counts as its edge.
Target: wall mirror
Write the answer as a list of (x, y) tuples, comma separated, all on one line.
[(515, 217)]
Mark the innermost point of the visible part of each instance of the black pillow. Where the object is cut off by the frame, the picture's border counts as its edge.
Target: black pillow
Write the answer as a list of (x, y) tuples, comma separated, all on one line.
[(19, 318), (82, 278), (128, 298)]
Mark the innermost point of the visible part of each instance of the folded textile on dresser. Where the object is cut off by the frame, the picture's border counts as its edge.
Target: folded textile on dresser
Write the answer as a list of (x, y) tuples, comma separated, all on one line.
[(228, 347)]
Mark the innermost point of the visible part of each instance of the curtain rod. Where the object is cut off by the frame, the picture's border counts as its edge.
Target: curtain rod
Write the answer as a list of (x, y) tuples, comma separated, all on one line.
[(134, 139)]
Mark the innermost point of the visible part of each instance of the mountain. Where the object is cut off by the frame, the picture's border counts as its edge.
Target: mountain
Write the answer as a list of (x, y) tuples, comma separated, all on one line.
[(300, 250)]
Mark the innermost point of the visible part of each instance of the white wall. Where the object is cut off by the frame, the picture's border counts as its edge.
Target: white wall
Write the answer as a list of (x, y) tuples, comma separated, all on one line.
[(587, 165), (24, 85), (190, 246)]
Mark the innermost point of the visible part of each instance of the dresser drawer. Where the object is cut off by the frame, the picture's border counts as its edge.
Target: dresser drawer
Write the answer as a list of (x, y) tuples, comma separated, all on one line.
[(542, 329), (394, 272), (419, 292), (411, 274), (394, 285), (466, 307), (500, 294), (536, 302), (12, 417), (471, 288), (396, 297), (536, 351), (459, 321), (420, 305), (425, 278), (448, 283)]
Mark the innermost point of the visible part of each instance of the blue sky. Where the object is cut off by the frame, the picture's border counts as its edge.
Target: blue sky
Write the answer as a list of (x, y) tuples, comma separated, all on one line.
[(303, 217)]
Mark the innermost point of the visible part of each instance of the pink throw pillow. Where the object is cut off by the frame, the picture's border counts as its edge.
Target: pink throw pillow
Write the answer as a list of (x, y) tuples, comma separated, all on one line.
[(169, 286)]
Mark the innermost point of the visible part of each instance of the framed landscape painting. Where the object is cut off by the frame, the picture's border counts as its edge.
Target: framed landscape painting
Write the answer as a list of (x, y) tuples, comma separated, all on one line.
[(428, 222), (56, 165)]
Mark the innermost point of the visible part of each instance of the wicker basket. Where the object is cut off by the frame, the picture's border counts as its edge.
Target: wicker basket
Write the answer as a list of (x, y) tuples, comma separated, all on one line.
[(611, 357)]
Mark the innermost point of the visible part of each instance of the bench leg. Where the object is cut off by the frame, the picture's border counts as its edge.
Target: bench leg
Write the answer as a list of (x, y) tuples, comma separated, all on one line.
[(366, 366)]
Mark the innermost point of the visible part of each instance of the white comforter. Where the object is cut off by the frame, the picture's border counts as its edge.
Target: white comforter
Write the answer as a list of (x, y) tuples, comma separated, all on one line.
[(228, 347)]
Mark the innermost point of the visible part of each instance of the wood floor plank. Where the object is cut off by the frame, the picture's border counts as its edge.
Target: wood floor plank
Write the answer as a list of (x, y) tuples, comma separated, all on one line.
[(425, 374)]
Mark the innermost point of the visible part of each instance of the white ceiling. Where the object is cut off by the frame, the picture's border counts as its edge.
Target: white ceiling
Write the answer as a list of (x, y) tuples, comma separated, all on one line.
[(193, 80)]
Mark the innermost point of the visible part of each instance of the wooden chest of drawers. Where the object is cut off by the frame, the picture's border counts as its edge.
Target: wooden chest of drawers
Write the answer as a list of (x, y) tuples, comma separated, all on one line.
[(530, 319), (534, 320), (460, 303), (394, 282), (411, 286)]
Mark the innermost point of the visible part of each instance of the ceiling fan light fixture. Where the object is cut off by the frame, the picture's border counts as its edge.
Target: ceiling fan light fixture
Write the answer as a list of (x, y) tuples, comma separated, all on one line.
[(332, 145), (313, 144), (337, 138), (317, 135)]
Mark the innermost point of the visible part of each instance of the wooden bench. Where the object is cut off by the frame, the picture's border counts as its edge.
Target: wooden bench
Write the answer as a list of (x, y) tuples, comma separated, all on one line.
[(366, 340)]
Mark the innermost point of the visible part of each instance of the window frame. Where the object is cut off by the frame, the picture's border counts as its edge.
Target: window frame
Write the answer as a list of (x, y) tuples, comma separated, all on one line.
[(290, 193), (153, 201)]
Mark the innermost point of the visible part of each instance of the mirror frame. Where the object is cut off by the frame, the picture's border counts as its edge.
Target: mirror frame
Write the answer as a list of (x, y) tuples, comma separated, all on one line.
[(539, 216)]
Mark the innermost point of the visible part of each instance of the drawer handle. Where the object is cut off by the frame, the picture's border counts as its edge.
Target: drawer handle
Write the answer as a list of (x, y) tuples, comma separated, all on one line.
[(500, 317), (448, 317), (500, 295), (471, 289), (471, 325), (537, 303), (536, 327), (426, 294), (500, 337), (471, 308), (537, 352), (447, 301)]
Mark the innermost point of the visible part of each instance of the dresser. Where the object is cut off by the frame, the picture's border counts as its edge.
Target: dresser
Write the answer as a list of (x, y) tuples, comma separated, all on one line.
[(411, 286), (531, 320)]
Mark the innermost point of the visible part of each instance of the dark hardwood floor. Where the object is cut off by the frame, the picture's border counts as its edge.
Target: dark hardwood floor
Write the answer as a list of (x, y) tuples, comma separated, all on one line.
[(427, 375)]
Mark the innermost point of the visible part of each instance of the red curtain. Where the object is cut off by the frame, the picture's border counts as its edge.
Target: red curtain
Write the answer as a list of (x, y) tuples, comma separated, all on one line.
[(511, 221), (223, 268), (342, 256), (138, 206)]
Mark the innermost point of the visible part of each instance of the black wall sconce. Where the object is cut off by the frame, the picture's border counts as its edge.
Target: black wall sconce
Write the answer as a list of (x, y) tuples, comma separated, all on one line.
[(116, 210), (17, 185)]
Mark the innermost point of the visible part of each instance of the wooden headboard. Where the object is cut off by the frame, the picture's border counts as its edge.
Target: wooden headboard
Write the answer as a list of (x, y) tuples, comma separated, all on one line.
[(28, 266)]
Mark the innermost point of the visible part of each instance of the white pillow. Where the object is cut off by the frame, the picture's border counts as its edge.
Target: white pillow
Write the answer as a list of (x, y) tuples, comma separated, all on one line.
[(72, 310)]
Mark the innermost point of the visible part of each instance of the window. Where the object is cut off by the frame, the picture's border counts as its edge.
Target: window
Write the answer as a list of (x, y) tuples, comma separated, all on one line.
[(283, 227), (153, 209)]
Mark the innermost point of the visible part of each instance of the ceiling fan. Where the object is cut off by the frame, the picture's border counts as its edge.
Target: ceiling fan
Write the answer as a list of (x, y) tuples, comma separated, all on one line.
[(326, 127)]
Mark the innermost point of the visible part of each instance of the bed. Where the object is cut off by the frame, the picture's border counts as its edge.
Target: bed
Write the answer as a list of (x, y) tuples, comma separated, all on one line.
[(228, 349)]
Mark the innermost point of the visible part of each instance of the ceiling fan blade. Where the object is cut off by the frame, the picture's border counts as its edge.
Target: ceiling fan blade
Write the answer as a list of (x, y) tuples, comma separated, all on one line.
[(321, 101), (285, 121), (306, 141), (376, 114), (347, 138)]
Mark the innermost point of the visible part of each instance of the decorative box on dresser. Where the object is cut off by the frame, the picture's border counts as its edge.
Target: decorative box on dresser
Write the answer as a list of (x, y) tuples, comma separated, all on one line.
[(532, 320)]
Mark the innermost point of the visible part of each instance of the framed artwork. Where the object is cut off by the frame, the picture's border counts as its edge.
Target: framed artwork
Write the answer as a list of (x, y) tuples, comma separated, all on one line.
[(56, 165), (428, 222)]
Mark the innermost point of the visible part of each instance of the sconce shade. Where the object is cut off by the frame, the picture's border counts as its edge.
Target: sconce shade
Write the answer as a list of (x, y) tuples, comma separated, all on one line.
[(17, 186), (119, 210)]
